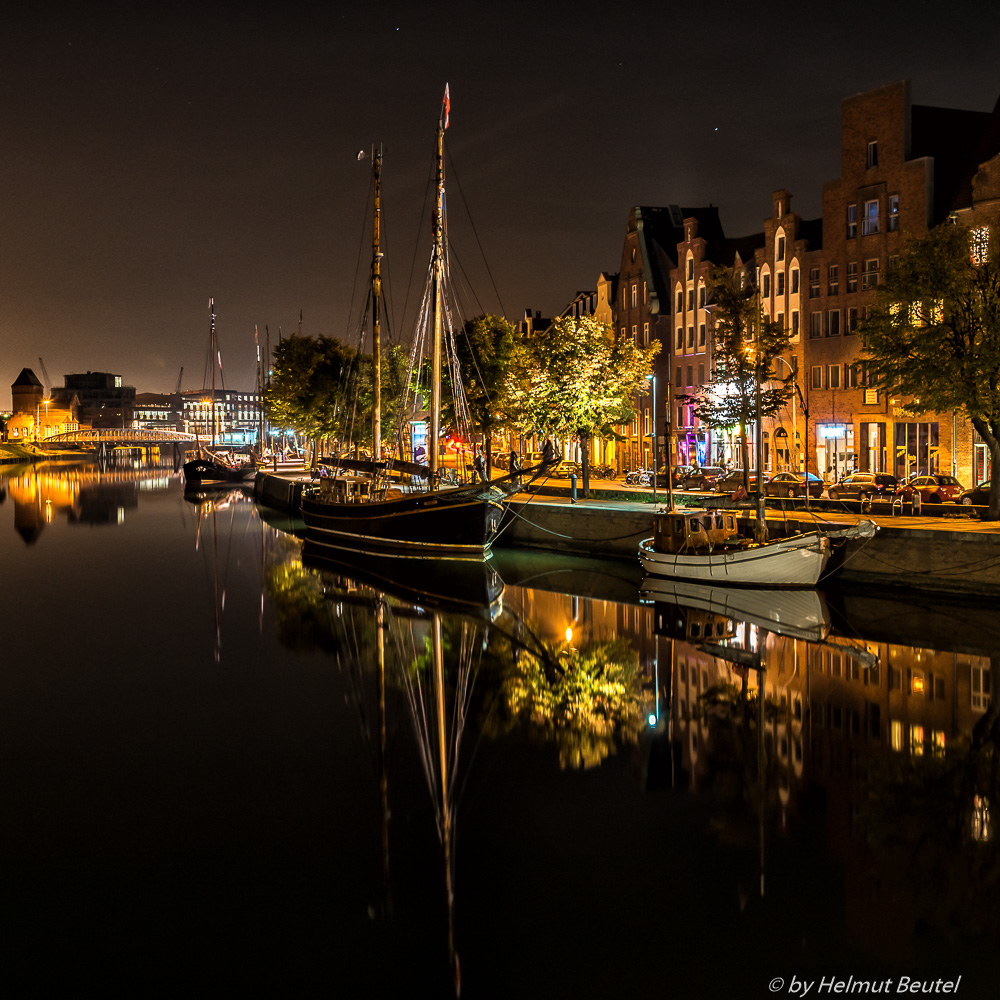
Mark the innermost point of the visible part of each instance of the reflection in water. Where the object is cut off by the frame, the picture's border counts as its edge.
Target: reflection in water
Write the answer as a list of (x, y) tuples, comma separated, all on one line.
[(799, 730)]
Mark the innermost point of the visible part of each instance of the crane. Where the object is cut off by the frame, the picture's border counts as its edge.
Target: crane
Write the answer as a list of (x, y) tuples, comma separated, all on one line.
[(177, 391), (45, 375)]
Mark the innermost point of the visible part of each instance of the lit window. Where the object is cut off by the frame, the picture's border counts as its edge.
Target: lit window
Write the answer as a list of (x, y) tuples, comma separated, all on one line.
[(896, 734), (635, 292), (834, 376), (937, 742), (917, 741), (893, 213), (869, 222)]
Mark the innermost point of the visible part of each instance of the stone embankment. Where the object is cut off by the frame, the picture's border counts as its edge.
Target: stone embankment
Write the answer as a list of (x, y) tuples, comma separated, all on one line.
[(956, 555)]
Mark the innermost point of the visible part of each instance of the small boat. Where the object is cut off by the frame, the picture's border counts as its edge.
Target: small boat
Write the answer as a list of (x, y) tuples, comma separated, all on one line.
[(207, 468), (706, 546)]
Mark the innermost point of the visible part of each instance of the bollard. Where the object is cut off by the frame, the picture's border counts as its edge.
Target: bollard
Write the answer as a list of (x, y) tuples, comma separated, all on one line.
[(572, 488), (916, 502)]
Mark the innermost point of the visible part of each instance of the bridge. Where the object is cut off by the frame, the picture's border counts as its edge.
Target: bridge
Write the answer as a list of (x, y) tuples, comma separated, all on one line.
[(121, 437)]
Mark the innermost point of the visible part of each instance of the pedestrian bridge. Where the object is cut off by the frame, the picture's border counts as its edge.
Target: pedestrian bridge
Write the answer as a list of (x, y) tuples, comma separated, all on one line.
[(122, 437)]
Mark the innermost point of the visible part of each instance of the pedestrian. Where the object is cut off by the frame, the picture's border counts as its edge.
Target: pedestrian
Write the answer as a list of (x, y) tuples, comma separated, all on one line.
[(548, 451), (479, 464), (515, 467)]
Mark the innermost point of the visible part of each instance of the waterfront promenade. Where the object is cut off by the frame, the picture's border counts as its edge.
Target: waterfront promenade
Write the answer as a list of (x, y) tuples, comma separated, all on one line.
[(956, 554)]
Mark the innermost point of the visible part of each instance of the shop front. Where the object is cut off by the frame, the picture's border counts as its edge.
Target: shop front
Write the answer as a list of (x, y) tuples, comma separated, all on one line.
[(915, 449), (835, 457)]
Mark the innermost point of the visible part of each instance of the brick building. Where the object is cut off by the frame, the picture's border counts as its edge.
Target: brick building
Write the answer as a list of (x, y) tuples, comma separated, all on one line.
[(902, 167)]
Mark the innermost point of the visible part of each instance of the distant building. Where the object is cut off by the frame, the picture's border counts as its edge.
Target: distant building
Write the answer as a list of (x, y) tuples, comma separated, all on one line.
[(104, 400), (158, 411), (36, 417), (236, 420)]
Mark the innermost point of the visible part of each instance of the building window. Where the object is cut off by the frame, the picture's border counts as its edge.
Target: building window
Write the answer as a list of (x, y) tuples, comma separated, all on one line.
[(680, 300), (780, 251), (690, 268), (816, 325), (872, 160), (780, 320), (701, 374), (833, 279), (893, 213), (691, 299), (817, 376), (850, 376), (635, 293), (852, 221), (795, 322), (635, 335), (678, 379), (979, 240), (701, 335), (795, 281), (680, 338), (852, 320), (690, 336), (814, 282), (834, 376), (852, 276), (766, 286), (645, 335), (833, 325), (779, 280), (869, 273), (701, 296), (869, 222), (690, 380)]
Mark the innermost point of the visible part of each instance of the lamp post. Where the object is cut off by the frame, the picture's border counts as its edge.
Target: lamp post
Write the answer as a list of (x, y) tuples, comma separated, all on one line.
[(795, 426), (656, 451)]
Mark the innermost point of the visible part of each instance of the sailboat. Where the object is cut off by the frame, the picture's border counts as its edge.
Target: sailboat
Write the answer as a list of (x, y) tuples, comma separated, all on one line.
[(207, 469), (365, 504)]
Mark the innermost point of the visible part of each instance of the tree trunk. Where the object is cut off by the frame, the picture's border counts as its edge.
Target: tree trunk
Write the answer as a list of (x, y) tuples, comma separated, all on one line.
[(989, 431), (745, 457), (585, 449)]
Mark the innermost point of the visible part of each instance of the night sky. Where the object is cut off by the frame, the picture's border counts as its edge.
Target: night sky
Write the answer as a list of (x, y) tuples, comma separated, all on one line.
[(151, 160)]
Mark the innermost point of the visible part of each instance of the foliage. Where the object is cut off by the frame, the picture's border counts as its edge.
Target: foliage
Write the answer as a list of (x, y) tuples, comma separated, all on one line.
[(586, 701), (745, 343), (933, 335), (576, 378), (395, 382), (485, 349)]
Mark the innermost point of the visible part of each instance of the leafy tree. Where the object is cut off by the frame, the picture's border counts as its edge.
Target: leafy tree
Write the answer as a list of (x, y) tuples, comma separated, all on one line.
[(745, 343), (395, 382), (934, 335), (485, 349), (577, 378)]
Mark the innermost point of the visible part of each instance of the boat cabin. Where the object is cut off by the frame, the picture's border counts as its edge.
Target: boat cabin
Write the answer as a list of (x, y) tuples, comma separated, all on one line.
[(695, 530)]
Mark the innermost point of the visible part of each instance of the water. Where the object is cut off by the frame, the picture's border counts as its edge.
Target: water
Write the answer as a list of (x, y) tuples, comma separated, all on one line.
[(198, 794)]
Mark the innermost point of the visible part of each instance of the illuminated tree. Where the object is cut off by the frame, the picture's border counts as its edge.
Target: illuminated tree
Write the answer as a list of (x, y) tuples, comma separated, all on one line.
[(933, 334), (745, 343), (577, 379)]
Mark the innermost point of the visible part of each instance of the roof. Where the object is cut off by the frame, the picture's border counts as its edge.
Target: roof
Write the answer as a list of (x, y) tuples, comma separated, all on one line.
[(27, 377)]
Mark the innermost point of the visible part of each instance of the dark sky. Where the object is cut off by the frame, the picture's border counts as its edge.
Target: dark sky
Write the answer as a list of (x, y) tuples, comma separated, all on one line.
[(151, 160)]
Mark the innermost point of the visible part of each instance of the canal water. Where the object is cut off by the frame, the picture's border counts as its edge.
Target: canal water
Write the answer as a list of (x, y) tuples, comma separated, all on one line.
[(228, 764)]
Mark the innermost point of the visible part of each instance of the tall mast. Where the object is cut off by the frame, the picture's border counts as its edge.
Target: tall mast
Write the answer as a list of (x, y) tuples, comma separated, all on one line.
[(211, 347), (376, 305), (438, 273)]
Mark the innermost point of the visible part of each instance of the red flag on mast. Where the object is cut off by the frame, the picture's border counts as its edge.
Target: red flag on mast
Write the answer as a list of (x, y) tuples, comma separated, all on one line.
[(447, 105)]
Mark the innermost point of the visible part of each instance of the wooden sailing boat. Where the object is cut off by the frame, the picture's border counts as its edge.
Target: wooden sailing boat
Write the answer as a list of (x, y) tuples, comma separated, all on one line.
[(360, 506), (207, 469)]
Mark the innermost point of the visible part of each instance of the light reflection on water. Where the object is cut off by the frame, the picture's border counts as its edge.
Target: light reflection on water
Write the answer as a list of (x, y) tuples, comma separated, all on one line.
[(217, 755)]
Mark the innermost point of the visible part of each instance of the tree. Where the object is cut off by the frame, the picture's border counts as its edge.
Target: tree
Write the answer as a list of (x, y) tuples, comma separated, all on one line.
[(485, 349), (745, 343), (934, 334), (577, 378)]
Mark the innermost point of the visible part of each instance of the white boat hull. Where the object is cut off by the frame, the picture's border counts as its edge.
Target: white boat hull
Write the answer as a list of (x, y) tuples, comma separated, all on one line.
[(797, 561)]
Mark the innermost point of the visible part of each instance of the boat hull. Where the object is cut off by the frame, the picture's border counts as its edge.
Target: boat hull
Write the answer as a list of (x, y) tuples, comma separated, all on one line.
[(797, 561), (456, 524), (202, 472)]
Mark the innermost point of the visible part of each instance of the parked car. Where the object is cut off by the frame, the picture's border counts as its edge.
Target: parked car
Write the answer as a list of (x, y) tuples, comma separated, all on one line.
[(733, 480), (932, 489), (702, 478), (790, 484), (864, 486), (681, 472), (565, 469), (978, 496)]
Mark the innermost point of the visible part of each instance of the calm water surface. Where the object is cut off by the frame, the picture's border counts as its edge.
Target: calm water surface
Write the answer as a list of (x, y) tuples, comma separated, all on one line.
[(222, 768)]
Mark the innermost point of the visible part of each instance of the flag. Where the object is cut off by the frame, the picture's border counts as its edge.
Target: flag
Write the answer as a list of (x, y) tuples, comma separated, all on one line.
[(447, 105)]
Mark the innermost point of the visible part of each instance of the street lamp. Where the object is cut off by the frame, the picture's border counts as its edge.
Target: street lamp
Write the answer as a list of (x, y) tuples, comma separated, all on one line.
[(656, 451)]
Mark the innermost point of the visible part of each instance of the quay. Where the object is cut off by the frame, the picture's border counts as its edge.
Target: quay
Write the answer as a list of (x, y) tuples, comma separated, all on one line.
[(957, 555)]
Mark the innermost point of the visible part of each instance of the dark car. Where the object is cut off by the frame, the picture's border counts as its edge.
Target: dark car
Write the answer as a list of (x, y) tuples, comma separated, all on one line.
[(978, 496), (932, 489), (702, 478), (733, 481), (864, 486), (790, 484)]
